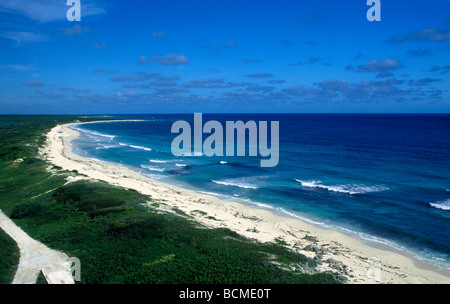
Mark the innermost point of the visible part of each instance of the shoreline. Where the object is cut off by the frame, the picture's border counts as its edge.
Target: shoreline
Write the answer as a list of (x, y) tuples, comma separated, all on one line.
[(335, 251)]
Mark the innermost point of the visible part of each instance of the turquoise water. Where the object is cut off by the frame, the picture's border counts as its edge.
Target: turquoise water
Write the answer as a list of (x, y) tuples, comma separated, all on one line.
[(384, 178)]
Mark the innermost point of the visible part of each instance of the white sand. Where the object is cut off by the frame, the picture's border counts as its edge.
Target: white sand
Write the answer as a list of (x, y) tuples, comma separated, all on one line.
[(350, 256)]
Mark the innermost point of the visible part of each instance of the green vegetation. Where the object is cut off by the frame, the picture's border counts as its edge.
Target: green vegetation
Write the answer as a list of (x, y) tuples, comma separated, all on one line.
[(24, 210), (119, 235), (9, 258), (41, 279)]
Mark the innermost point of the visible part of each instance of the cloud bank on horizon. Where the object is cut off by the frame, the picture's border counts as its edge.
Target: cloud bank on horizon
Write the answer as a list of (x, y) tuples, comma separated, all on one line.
[(224, 56)]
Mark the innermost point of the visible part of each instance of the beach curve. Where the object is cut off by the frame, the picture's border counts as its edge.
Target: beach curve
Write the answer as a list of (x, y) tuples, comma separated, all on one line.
[(333, 250)]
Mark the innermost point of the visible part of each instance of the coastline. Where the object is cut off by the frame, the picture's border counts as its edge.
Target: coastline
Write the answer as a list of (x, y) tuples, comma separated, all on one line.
[(339, 252)]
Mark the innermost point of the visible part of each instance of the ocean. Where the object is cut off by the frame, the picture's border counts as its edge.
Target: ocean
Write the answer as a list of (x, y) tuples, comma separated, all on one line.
[(383, 178)]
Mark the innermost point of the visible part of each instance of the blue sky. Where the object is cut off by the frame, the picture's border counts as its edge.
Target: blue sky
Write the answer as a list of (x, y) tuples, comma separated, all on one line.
[(224, 56)]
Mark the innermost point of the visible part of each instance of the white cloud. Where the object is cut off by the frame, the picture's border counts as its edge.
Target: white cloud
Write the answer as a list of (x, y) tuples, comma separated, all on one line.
[(34, 83), (170, 59), (158, 34), (21, 37), (17, 67), (76, 30)]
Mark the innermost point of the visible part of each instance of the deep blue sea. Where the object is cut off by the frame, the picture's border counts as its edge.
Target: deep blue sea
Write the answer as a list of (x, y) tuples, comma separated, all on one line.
[(381, 177)]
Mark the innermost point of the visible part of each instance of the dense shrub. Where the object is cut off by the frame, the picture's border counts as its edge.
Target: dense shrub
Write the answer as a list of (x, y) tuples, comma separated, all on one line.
[(9, 258), (24, 210), (94, 197)]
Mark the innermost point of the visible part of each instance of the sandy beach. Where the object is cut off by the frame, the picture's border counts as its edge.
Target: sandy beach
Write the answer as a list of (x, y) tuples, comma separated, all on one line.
[(358, 261)]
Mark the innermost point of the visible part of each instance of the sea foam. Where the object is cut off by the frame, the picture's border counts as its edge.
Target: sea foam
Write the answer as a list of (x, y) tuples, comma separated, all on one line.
[(236, 183), (153, 168), (348, 189), (158, 161), (443, 205), (135, 147), (94, 133), (140, 148), (103, 146)]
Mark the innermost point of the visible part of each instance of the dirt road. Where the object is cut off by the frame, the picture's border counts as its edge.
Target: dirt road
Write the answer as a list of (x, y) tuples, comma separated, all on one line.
[(35, 257)]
